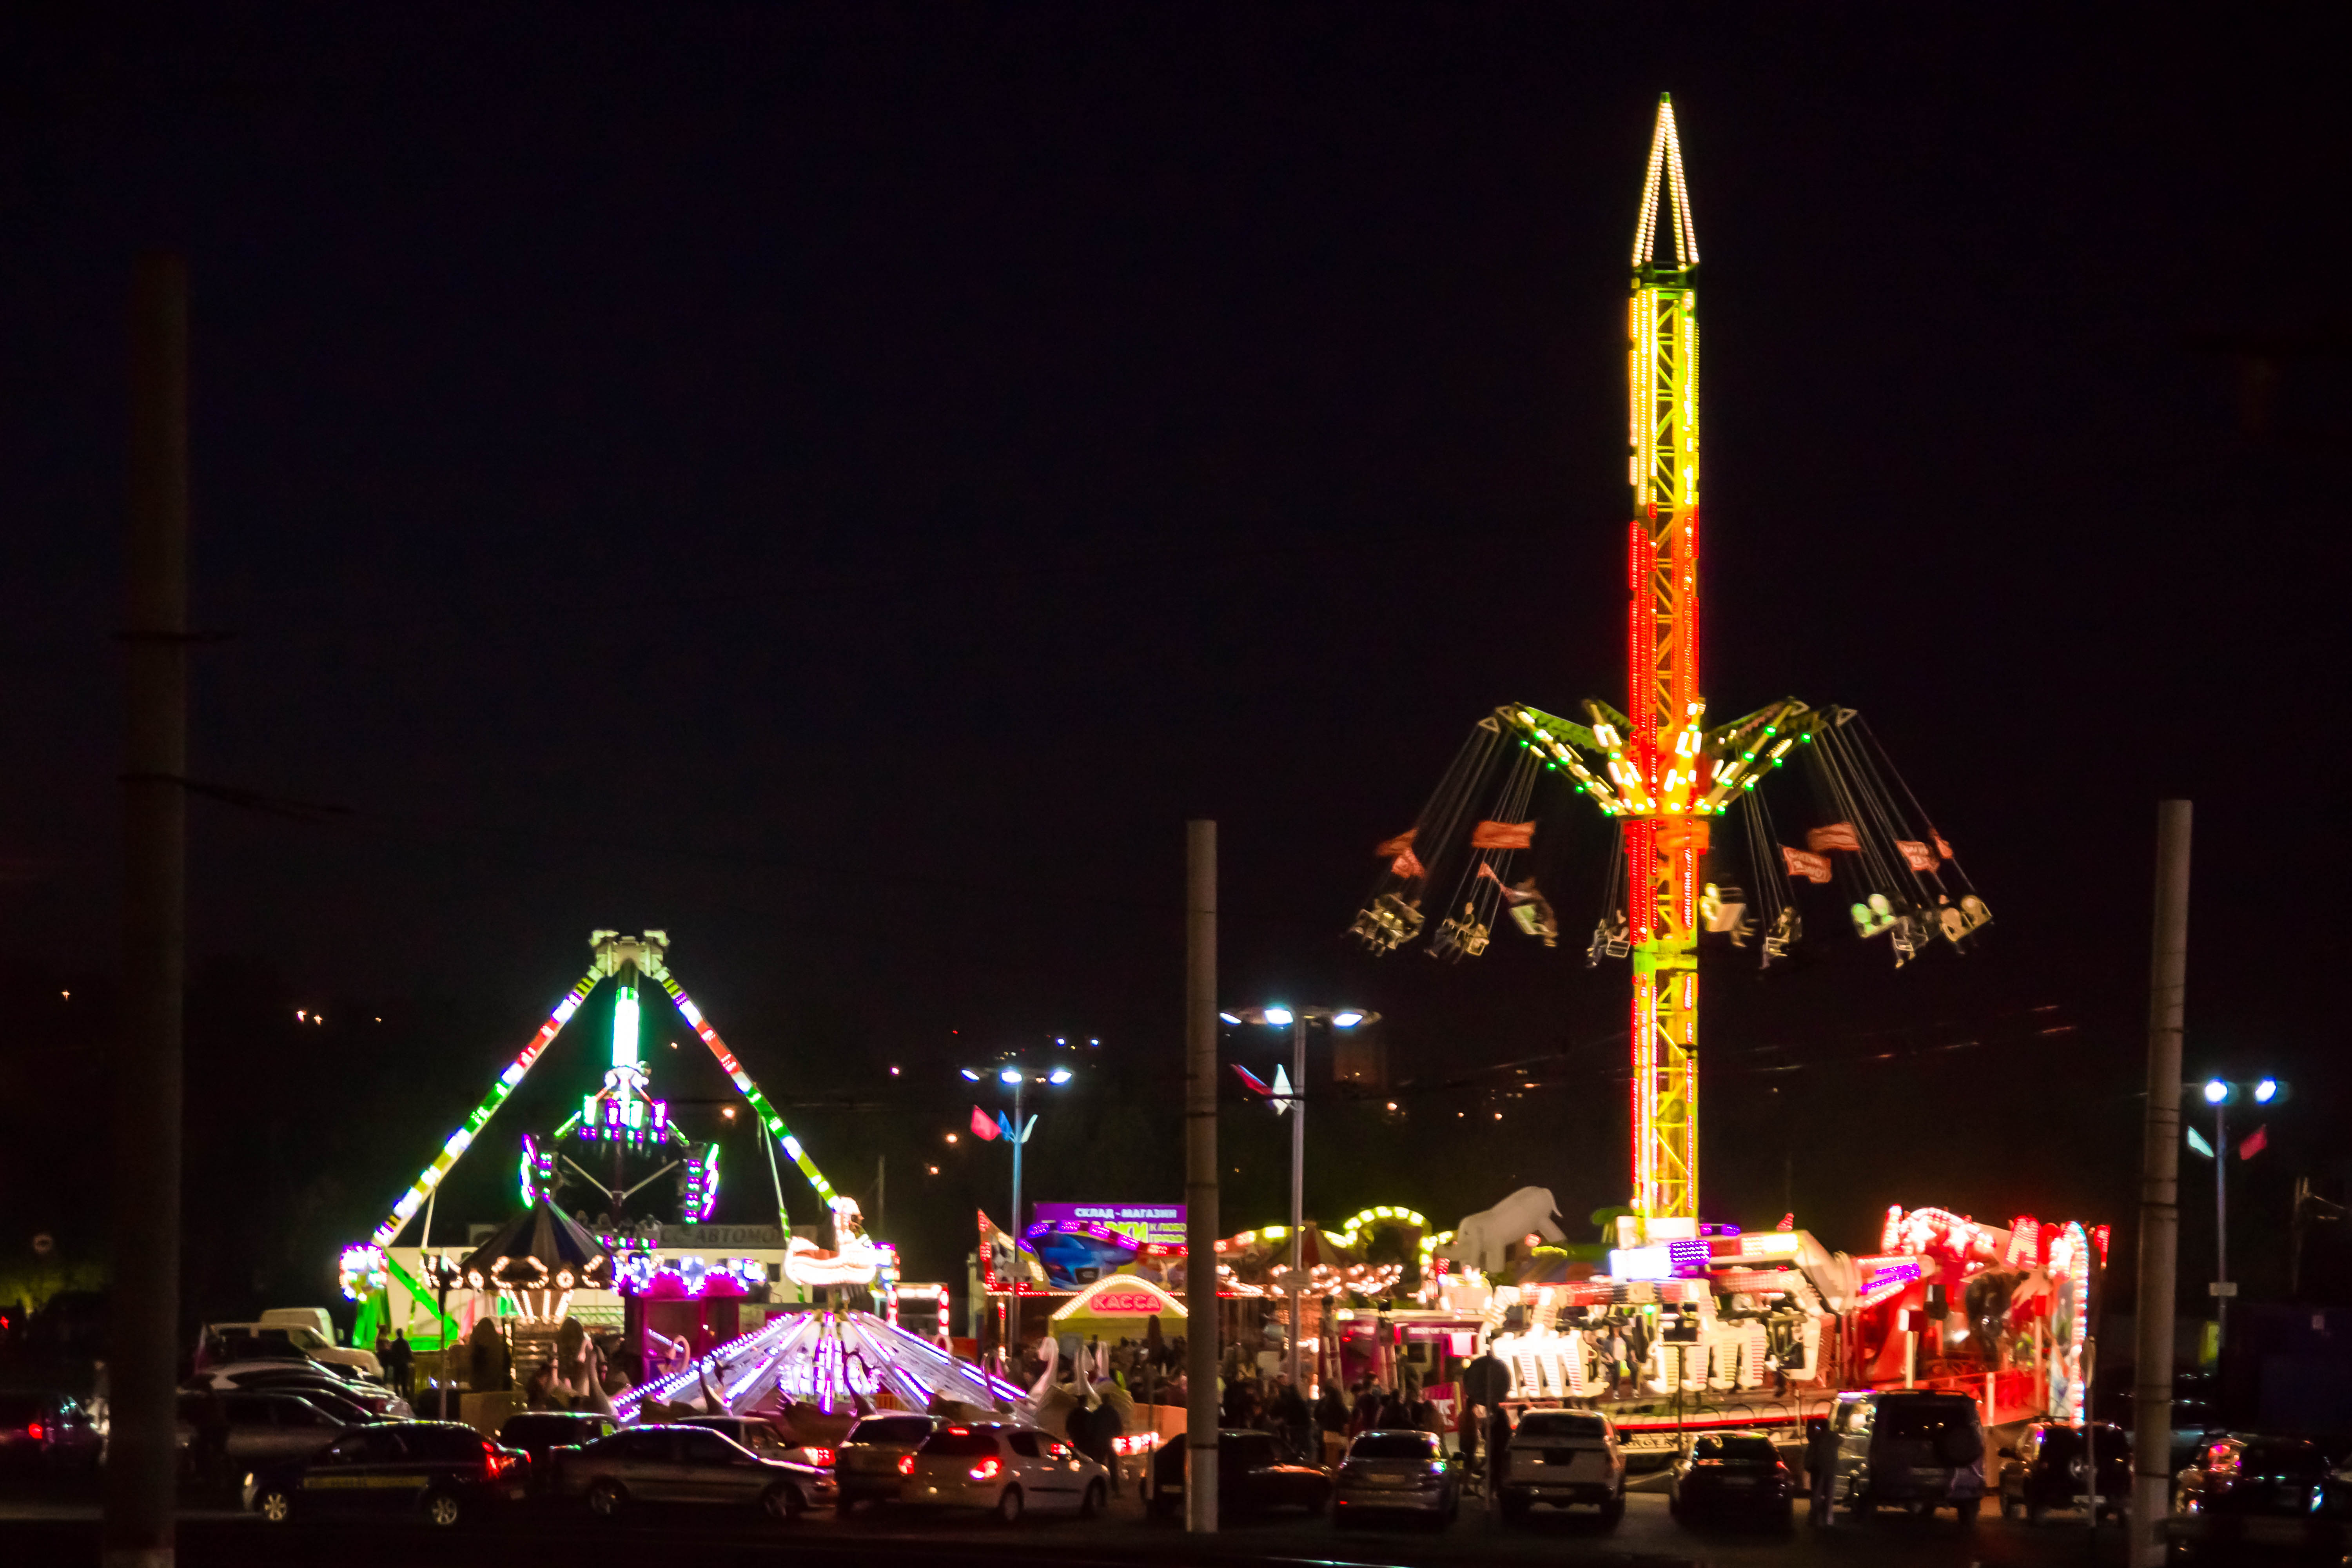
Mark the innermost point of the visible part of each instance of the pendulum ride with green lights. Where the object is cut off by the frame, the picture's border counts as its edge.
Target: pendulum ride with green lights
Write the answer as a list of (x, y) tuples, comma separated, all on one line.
[(620, 1142)]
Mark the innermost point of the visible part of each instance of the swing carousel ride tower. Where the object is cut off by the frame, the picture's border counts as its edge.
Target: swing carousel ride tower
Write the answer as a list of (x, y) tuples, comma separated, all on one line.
[(1664, 778), (1657, 765)]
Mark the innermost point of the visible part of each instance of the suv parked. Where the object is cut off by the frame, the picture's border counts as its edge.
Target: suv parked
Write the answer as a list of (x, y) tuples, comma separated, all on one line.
[(1562, 1456), (1908, 1447)]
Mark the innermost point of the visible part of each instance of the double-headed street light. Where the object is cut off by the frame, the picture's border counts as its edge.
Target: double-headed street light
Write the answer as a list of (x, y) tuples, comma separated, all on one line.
[(1017, 1072), (2219, 1093), (1295, 1019)]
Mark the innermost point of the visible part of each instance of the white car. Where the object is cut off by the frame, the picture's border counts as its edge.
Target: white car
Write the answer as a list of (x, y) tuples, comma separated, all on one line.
[(1561, 1457), (306, 1339), (1005, 1468)]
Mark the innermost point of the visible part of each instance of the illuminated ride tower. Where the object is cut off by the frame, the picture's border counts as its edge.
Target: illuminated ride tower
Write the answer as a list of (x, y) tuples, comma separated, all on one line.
[(1665, 775), (1658, 771)]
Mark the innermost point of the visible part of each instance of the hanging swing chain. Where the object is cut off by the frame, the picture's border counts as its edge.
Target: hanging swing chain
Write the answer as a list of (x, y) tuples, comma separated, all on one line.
[(1917, 811)]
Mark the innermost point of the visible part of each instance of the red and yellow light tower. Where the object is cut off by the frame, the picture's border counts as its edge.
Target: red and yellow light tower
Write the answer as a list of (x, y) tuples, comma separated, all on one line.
[(1660, 768), (1662, 772)]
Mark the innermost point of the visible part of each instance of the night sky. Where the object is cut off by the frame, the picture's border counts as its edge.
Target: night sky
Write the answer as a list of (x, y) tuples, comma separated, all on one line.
[(845, 485)]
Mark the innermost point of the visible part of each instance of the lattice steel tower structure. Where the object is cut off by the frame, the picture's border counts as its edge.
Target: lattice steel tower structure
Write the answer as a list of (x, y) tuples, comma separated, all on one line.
[(1666, 749)]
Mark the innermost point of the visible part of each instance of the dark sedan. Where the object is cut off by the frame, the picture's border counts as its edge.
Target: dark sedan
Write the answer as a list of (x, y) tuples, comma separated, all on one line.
[(437, 1471), (867, 1466), (2276, 1495), (49, 1431), (536, 1432), (2049, 1467), (687, 1465), (1253, 1475), (1731, 1475)]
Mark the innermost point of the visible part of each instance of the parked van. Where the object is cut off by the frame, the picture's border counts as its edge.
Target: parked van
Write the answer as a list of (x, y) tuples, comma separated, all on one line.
[(1914, 1448)]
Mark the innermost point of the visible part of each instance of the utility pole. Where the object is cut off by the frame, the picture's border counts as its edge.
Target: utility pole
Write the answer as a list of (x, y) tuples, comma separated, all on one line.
[(1201, 1348), (143, 1339), (2160, 1191)]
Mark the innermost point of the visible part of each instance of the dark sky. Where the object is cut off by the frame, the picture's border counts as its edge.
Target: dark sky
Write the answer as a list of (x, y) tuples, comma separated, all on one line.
[(844, 485)]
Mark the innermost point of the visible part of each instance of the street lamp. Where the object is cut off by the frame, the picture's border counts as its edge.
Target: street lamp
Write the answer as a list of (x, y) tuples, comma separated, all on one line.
[(2219, 1093), (1016, 1072), (1296, 1020)]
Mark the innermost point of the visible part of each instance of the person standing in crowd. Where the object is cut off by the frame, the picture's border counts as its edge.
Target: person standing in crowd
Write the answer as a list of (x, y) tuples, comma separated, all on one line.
[(1331, 1424), (1290, 1416), (399, 1365)]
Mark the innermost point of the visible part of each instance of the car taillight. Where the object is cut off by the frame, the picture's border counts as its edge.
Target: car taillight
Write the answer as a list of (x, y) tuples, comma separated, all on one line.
[(34, 1431), (985, 1470), (906, 1464), (819, 1456)]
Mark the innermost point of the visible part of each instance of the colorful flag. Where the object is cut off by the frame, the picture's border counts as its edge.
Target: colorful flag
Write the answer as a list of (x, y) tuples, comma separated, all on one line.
[(2259, 1141), (1251, 1078), (981, 1127), (1916, 854), (1941, 848), (1397, 845), (1836, 836), (1812, 867), (1503, 836)]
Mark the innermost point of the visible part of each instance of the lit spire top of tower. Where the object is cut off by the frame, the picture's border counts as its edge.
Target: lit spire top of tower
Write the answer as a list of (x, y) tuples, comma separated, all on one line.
[(1666, 158)]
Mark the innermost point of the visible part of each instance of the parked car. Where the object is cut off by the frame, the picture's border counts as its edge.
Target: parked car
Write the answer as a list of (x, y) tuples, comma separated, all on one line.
[(2048, 1467), (299, 1377), (1005, 1468), (1562, 1456), (1731, 1475), (763, 1438), (293, 1328), (438, 1471), (534, 1433), (2275, 1495), (1916, 1448), (47, 1431), (1395, 1472), (1253, 1475), (686, 1465), (257, 1426), (867, 1468)]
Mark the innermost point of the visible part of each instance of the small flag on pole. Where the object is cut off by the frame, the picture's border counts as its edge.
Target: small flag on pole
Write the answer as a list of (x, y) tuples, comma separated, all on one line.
[(981, 1127), (2197, 1141), (1256, 1083), (1282, 1098), (2258, 1140)]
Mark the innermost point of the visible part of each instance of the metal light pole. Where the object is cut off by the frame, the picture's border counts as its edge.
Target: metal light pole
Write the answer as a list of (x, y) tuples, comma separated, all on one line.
[(2221, 1287), (1297, 1192), (1015, 1075), (1295, 1103), (1020, 1081)]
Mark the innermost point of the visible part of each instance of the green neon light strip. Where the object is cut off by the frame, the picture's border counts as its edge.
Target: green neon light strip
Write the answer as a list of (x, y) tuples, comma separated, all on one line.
[(769, 1117), (449, 1324), (464, 1137)]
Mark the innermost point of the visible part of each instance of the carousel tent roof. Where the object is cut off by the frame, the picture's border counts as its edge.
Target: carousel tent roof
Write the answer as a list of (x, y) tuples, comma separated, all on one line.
[(829, 1360), (543, 1233)]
